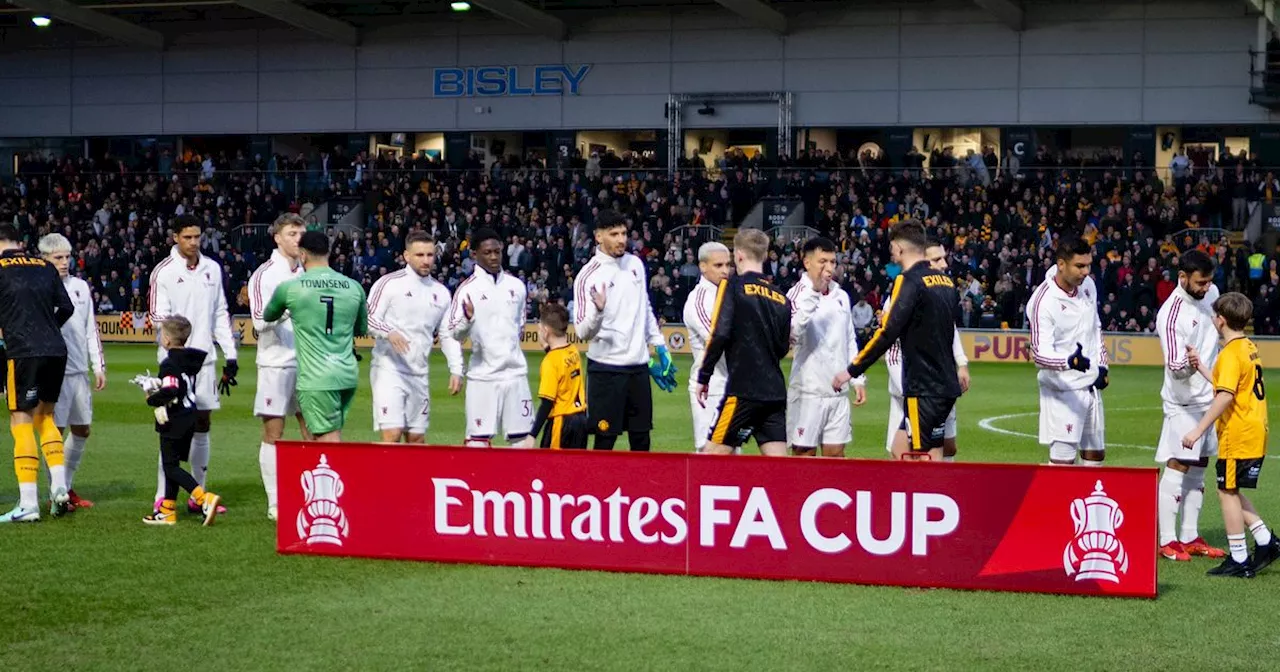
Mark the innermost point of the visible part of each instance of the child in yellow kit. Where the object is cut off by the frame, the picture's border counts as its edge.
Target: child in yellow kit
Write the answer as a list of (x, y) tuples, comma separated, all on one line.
[(1239, 409)]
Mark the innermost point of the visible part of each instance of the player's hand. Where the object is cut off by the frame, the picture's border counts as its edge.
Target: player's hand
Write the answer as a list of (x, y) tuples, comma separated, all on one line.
[(1103, 379), (841, 380), (455, 385), (99, 381), (962, 372), (1193, 357), (356, 351), (398, 342), (859, 395), (1077, 360), (468, 309), (598, 297), (701, 394), (1189, 441), (229, 371)]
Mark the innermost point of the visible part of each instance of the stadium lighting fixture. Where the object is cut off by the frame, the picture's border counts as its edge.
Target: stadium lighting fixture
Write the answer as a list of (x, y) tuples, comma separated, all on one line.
[(462, 6), (41, 21)]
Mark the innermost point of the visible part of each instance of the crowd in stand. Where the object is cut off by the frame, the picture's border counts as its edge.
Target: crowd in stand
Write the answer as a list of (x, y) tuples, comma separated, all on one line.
[(999, 219)]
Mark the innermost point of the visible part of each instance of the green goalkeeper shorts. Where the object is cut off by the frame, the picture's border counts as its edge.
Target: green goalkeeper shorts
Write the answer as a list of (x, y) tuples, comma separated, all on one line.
[(325, 410)]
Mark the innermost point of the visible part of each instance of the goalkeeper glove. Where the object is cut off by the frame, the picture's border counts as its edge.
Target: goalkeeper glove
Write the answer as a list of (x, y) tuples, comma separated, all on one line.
[(1077, 360), (229, 371), (663, 370), (1103, 379)]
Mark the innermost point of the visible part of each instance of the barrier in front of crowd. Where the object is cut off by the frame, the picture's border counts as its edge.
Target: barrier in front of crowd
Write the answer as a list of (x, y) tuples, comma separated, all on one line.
[(1012, 527), (994, 345)]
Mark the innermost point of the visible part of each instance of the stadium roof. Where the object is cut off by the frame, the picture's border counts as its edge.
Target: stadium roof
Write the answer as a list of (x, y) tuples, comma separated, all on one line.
[(157, 23)]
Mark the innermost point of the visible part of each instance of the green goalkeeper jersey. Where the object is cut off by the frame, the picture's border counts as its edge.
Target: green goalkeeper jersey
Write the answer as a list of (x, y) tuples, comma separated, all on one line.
[(328, 311)]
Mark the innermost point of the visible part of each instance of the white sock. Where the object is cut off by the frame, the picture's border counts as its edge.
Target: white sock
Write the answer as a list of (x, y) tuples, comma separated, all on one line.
[(29, 495), (159, 479), (200, 456), (57, 478), (1192, 501), (1239, 548), (1261, 535), (948, 458), (1091, 463), (267, 464), (74, 450), (1167, 504)]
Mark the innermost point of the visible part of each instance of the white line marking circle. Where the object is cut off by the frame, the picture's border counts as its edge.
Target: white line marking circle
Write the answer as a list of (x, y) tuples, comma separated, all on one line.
[(989, 425)]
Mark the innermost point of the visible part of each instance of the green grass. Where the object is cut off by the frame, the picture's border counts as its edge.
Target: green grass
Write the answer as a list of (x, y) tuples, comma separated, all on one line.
[(101, 591)]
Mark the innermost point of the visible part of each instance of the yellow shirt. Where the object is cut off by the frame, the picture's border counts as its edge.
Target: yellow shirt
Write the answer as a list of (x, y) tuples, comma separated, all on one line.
[(561, 381), (1242, 429)]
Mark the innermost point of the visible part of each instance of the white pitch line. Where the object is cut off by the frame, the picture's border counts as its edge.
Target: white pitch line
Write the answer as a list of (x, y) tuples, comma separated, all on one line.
[(989, 425)]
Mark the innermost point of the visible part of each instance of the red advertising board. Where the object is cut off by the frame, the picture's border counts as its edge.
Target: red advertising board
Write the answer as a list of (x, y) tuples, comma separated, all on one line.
[(1077, 530)]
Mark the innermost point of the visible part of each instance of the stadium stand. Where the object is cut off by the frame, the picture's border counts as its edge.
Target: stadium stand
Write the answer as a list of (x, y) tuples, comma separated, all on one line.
[(999, 219)]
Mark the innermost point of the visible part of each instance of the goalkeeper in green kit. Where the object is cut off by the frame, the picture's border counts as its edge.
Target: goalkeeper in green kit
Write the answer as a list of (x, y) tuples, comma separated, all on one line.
[(328, 311)]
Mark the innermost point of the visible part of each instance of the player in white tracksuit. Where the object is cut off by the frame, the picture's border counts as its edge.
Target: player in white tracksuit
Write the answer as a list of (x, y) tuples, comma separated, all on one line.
[(74, 409), (1068, 350), (489, 307), (406, 313), (715, 264), (936, 255), (189, 284), (276, 396), (1185, 326), (824, 339)]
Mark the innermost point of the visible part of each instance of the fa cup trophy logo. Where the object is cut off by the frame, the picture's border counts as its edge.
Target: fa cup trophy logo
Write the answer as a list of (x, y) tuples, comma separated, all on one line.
[(321, 520), (1095, 552)]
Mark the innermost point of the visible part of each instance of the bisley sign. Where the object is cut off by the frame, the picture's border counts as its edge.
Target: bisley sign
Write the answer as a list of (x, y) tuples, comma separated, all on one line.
[(508, 80)]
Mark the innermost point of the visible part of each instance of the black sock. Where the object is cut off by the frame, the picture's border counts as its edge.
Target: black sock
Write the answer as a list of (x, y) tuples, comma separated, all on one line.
[(605, 441), (639, 441)]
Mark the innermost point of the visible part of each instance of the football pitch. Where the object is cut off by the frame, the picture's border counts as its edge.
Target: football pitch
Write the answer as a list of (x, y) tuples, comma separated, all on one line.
[(99, 590)]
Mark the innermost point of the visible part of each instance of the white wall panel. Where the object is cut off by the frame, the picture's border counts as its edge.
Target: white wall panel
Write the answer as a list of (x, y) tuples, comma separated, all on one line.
[(725, 45), (28, 91), (1075, 38), (318, 115), (620, 111), (210, 117), (631, 47), (276, 56), (842, 42), (1210, 105), (984, 39), (959, 107), (626, 79), (1081, 71), (436, 52), (213, 87), (116, 119), (1191, 36), (121, 89), (737, 76), (842, 74), (405, 115), (36, 63), (844, 108), (397, 83), (986, 72), (1096, 106), (47, 120), (211, 58), (311, 85), (1188, 70), (522, 113), (510, 50), (109, 62)]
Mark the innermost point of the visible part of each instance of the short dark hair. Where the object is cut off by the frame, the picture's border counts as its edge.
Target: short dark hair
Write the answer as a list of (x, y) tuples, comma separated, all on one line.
[(909, 232), (933, 242), (418, 236), (9, 234), (481, 235), (314, 243), (177, 328), (1195, 261), (1071, 247), (554, 317), (609, 219), (185, 222), (818, 244), (1235, 308)]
